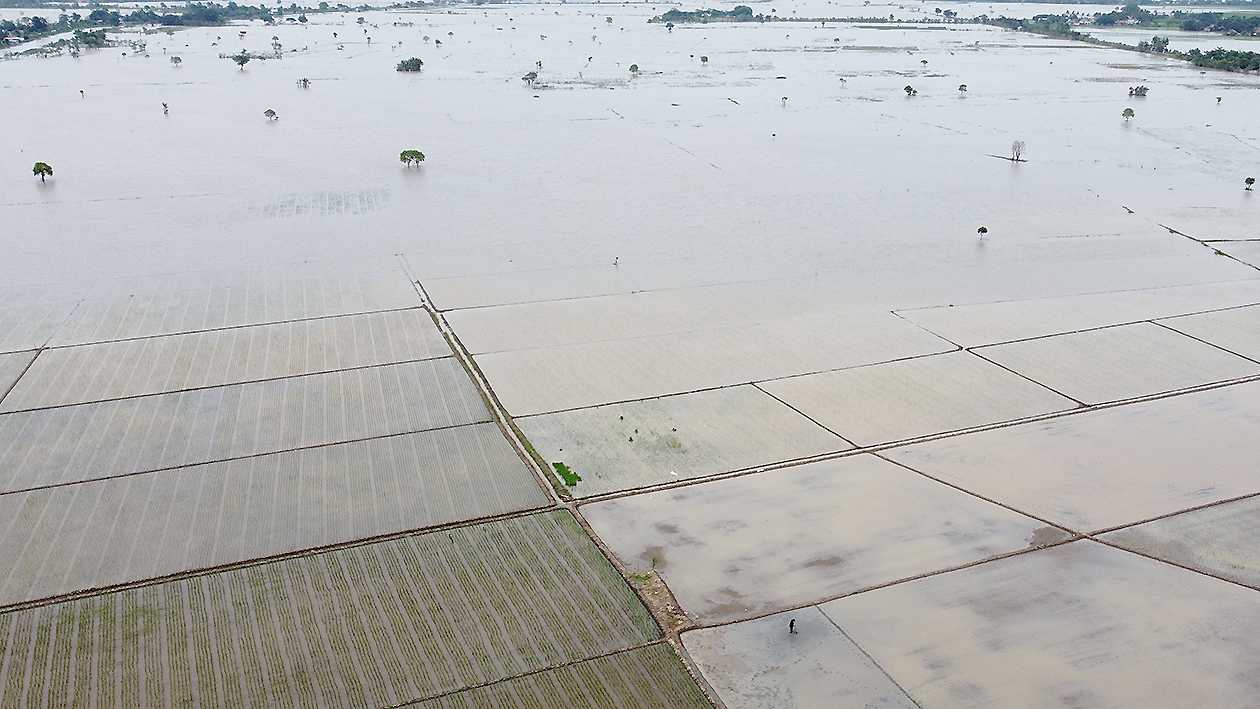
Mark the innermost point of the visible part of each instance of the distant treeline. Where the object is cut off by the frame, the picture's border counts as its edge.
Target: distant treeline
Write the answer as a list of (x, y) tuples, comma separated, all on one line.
[(1246, 4), (743, 13), (1063, 26), (1228, 23), (1228, 59), (740, 13), (196, 14)]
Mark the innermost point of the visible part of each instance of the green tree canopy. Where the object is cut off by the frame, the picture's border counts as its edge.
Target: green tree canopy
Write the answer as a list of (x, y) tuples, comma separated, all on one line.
[(42, 170)]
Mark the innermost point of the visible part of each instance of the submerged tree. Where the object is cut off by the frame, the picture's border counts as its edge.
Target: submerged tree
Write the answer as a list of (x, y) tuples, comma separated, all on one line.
[(983, 231), (910, 90), (530, 78), (634, 68), (176, 60), (1017, 150), (271, 115), (1128, 114), (241, 58), (411, 157), (42, 170), (1249, 182), (412, 64), (962, 88)]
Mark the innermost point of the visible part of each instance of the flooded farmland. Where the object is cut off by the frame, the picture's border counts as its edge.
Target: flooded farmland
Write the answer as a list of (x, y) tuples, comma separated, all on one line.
[(843, 358)]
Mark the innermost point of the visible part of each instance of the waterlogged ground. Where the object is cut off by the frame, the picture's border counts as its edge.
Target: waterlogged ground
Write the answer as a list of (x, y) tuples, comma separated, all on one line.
[(225, 340)]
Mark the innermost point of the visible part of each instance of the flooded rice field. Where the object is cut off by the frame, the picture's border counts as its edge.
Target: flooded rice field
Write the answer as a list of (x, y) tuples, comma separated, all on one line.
[(761, 364)]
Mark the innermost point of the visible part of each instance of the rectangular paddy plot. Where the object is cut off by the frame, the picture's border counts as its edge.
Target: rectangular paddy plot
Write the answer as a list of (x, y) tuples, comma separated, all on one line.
[(650, 677), (29, 326), (1219, 540), (1246, 251), (11, 367), (915, 397), (368, 626), (1113, 467), (575, 376), (1079, 624), (758, 664), (103, 533), (989, 323), (760, 543), (248, 301), (1237, 330), (1119, 362), (113, 370), (641, 443), (89, 441)]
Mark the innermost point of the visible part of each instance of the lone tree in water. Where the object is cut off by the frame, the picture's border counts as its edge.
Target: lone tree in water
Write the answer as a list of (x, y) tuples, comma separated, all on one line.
[(1128, 114), (1017, 150), (412, 64), (530, 78), (242, 58), (634, 68), (271, 115), (176, 61), (42, 170), (411, 157), (983, 231), (1249, 182), (910, 90)]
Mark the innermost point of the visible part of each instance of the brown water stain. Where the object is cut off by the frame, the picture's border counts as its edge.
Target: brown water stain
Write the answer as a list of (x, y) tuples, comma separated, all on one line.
[(1045, 536), (826, 562), (654, 556)]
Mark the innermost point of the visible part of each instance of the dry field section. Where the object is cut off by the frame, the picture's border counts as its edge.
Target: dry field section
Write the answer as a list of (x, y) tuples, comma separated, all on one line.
[(154, 307), (252, 300), (1076, 624), (98, 534), (11, 367), (154, 365), (648, 677), (100, 440), (30, 325), (368, 626)]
